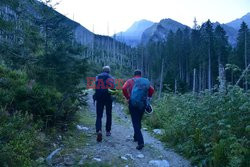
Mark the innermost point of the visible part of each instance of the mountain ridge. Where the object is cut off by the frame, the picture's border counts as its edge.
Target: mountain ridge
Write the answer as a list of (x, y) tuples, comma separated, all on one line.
[(159, 31), (132, 36), (237, 22)]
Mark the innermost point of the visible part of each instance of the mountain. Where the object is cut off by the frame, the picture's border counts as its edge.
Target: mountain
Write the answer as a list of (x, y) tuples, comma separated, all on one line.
[(159, 31), (133, 35), (236, 23), (231, 32), (33, 13)]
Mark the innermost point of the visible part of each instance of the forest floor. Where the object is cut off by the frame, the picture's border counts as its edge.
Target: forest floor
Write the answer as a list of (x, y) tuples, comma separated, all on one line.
[(81, 148)]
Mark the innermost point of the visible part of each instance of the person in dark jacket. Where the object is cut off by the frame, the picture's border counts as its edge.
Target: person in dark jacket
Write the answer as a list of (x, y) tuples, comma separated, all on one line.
[(135, 112), (103, 98)]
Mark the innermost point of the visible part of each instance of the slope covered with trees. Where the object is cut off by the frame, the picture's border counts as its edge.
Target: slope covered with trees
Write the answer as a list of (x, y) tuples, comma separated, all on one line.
[(193, 59), (45, 56), (42, 64), (203, 83)]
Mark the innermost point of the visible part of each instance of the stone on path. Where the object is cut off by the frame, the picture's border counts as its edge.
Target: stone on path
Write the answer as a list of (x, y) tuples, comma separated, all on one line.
[(69, 161), (97, 159), (130, 156), (80, 127), (124, 158), (51, 155), (81, 162), (159, 163), (140, 156), (157, 131)]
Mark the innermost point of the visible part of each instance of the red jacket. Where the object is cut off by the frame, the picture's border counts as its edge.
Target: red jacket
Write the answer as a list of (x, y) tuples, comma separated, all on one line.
[(128, 86)]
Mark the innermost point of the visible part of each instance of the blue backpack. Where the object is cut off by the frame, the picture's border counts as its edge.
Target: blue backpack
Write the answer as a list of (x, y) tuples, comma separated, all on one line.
[(139, 92)]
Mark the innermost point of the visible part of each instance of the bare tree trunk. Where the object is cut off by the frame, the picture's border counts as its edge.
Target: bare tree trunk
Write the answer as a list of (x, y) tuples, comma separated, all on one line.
[(175, 86), (194, 81), (209, 66), (246, 84), (243, 75), (222, 78), (200, 78), (161, 82)]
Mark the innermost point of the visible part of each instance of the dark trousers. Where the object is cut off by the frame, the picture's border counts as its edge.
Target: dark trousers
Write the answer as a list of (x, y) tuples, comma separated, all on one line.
[(136, 115), (99, 114)]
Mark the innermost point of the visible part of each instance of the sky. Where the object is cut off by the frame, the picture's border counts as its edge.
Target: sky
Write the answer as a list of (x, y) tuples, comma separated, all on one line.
[(107, 17)]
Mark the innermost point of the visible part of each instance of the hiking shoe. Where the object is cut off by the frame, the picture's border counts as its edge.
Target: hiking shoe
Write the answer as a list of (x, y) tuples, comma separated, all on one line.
[(108, 133), (139, 147), (99, 137)]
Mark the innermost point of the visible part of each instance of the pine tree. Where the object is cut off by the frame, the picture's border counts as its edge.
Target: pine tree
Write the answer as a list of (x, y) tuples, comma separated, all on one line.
[(243, 48)]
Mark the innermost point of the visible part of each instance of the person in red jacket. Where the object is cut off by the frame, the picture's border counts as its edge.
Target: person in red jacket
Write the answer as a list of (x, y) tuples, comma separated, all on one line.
[(135, 112)]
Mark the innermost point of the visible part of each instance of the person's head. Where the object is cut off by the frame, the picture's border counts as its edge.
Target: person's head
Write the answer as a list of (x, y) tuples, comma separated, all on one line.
[(137, 73), (106, 69)]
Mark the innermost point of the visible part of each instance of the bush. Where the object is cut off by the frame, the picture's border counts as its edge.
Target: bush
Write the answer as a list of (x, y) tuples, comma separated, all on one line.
[(17, 93), (17, 139), (210, 129)]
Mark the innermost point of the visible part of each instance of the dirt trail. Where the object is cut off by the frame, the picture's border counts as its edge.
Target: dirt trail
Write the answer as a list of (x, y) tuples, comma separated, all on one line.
[(119, 148)]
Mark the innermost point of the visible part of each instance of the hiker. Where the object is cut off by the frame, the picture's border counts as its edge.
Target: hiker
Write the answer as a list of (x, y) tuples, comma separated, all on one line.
[(104, 81), (137, 90)]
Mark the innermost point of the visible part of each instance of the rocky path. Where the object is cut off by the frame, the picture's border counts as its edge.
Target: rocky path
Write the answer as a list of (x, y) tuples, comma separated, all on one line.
[(119, 148)]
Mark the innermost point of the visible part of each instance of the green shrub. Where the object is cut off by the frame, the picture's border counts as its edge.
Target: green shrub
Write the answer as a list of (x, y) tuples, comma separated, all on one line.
[(212, 129), (17, 93), (17, 139)]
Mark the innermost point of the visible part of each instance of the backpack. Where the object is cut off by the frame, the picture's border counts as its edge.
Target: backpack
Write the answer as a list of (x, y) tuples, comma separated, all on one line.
[(102, 93), (139, 92)]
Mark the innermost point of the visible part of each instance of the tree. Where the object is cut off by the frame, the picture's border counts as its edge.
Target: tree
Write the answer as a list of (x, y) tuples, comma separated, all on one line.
[(242, 50), (208, 38)]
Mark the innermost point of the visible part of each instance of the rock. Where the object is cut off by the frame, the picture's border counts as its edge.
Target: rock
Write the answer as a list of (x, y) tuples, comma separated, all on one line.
[(145, 129), (59, 137), (79, 127), (160, 157), (140, 156), (130, 156), (157, 131), (40, 160), (81, 162), (124, 158), (97, 159), (89, 135), (69, 161), (49, 158), (159, 163)]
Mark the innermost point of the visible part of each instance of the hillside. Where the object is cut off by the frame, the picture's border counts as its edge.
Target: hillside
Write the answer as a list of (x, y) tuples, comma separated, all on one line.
[(237, 22), (230, 31), (159, 31), (132, 36)]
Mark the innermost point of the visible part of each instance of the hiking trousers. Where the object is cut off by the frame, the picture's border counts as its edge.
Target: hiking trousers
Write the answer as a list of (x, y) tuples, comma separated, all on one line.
[(99, 114), (136, 116)]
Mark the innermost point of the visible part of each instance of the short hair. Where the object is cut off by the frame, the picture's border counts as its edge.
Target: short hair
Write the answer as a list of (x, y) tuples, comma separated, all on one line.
[(137, 72), (106, 69)]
